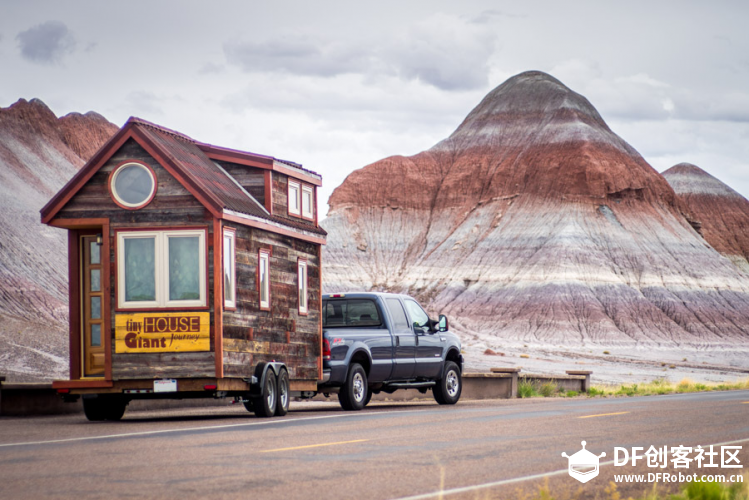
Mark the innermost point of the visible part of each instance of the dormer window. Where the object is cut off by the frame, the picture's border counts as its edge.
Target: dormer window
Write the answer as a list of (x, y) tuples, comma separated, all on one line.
[(307, 203), (295, 198)]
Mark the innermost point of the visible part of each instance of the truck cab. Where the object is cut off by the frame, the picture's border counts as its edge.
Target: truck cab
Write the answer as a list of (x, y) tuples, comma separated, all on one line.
[(380, 342)]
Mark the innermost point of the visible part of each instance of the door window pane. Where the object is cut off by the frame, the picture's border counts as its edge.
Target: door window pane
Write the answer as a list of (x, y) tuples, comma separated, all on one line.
[(95, 280), (399, 315), (418, 315), (184, 268), (96, 335), (95, 307), (95, 252), (140, 269)]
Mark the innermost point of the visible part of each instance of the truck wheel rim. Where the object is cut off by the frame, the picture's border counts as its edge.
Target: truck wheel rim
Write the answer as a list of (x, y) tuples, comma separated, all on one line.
[(358, 388), (452, 383)]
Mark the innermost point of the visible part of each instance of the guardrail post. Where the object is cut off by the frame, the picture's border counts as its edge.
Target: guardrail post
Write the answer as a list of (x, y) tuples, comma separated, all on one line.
[(515, 373), (586, 380)]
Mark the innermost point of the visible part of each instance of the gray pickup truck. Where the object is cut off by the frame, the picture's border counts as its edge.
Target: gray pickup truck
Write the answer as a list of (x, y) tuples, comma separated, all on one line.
[(381, 342)]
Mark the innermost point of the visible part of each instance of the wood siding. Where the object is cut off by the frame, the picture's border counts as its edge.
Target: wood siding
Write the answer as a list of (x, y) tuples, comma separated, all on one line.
[(173, 207), (281, 334), (250, 178), (280, 199)]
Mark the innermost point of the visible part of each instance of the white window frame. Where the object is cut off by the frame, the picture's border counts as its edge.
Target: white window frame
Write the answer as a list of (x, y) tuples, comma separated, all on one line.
[(230, 252), (296, 188), (308, 214), (303, 278), (161, 264), (263, 260)]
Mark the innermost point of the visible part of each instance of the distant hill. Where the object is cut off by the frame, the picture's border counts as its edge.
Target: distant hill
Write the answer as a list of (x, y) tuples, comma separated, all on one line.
[(38, 154), (534, 222)]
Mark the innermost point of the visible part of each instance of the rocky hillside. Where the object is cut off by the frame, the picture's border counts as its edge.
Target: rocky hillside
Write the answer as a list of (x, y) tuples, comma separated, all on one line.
[(38, 154), (717, 212), (534, 222)]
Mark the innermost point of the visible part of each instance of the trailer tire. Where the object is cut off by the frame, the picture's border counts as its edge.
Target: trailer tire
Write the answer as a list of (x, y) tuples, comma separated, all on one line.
[(249, 405), (94, 409), (354, 391), (282, 405), (448, 389), (114, 409), (265, 405)]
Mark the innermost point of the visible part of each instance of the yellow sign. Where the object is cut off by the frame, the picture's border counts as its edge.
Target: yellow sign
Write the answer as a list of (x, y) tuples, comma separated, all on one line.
[(162, 332)]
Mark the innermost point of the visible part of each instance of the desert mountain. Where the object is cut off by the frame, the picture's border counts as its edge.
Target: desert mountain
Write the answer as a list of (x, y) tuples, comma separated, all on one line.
[(718, 212), (38, 154), (534, 222)]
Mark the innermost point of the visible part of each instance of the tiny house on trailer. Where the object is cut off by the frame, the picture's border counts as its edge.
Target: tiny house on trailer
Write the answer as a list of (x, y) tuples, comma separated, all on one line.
[(195, 271)]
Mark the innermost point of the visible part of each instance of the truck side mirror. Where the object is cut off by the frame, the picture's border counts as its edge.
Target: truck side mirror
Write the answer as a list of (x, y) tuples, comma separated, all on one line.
[(443, 325)]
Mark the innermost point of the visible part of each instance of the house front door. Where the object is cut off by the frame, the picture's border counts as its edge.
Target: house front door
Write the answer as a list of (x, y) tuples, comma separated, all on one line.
[(92, 310)]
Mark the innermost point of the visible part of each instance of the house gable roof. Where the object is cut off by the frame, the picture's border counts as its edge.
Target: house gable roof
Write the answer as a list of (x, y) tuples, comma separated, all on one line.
[(191, 164)]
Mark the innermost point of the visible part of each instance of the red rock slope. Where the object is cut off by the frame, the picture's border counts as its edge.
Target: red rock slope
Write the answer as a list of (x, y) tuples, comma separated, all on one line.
[(534, 222), (720, 214), (38, 154)]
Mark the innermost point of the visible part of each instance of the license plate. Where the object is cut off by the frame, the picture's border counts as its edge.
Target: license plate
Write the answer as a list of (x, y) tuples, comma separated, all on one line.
[(165, 385)]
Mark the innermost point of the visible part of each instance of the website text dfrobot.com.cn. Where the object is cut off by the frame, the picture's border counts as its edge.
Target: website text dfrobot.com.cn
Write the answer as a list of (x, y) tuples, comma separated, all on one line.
[(702, 464), (701, 461)]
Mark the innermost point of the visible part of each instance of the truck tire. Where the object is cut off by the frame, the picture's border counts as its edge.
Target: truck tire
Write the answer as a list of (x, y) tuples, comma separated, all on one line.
[(369, 398), (265, 405), (447, 390), (282, 406), (354, 391)]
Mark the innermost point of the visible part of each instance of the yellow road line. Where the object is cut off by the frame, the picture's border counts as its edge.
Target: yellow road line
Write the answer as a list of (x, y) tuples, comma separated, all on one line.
[(604, 414), (315, 445), (745, 403)]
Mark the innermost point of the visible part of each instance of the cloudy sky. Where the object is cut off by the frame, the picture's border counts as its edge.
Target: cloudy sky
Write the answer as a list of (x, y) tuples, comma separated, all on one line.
[(336, 85)]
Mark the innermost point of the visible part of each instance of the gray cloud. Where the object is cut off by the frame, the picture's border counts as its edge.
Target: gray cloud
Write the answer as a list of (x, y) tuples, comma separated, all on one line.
[(46, 43), (446, 52), (302, 56)]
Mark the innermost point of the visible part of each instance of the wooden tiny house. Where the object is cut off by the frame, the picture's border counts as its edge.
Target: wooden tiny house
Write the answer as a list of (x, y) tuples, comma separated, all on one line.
[(189, 262)]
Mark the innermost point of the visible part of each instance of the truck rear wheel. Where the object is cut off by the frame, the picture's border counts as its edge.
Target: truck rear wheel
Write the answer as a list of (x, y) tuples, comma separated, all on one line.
[(282, 407), (447, 391), (353, 395), (265, 405)]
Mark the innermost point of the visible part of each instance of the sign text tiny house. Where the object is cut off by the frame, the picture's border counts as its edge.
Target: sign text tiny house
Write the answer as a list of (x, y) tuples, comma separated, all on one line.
[(162, 332)]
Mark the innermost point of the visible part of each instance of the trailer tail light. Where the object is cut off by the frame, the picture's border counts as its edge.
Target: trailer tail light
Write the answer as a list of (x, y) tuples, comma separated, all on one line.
[(210, 387), (325, 350), (63, 391)]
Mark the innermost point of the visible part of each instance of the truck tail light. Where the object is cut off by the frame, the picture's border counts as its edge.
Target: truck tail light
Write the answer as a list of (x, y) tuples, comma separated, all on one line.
[(63, 391), (325, 350)]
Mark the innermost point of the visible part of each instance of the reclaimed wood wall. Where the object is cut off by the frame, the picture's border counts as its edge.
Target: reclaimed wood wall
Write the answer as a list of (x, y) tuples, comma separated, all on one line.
[(281, 334), (250, 178), (173, 206)]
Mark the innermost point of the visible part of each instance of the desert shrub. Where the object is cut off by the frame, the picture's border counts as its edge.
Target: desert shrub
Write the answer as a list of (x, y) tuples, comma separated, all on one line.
[(548, 389), (526, 388), (571, 394)]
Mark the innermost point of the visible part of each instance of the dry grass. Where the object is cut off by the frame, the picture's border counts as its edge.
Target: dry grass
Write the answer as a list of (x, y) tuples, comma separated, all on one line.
[(663, 386)]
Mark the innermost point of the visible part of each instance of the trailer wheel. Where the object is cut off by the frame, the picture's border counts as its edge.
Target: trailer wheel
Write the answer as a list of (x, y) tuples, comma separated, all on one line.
[(94, 409), (114, 408), (282, 407), (265, 405), (354, 392), (447, 391)]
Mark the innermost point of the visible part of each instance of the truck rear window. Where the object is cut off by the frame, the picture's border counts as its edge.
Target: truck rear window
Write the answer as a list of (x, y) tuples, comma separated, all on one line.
[(350, 313)]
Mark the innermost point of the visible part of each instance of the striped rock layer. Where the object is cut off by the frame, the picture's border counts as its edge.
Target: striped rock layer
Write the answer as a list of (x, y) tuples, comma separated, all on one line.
[(38, 154), (718, 212), (534, 222)]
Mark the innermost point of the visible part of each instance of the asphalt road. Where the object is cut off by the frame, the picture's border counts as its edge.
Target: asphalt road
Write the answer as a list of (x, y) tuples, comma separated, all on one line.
[(476, 449)]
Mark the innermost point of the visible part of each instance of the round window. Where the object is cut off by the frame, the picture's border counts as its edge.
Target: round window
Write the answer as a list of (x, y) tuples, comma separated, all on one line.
[(133, 185)]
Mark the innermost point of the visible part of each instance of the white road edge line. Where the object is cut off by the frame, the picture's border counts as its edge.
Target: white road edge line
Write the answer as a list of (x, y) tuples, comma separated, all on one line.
[(205, 428), (476, 487)]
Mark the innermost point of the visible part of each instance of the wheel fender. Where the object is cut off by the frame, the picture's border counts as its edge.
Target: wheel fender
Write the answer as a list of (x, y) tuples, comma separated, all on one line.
[(444, 361), (261, 373), (356, 349)]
